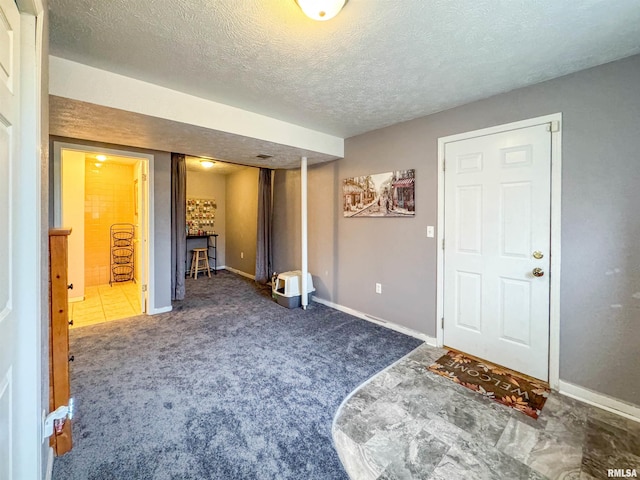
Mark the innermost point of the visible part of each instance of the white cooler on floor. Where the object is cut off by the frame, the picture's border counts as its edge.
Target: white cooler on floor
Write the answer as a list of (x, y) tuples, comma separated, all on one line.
[(287, 287)]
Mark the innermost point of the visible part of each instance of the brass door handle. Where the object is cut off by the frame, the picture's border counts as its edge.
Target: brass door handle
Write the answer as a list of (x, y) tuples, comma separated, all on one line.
[(537, 272)]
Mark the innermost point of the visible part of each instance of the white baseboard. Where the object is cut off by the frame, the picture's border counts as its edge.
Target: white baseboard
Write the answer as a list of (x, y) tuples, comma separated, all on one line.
[(378, 321), (600, 400), (156, 311), (49, 472), (240, 272)]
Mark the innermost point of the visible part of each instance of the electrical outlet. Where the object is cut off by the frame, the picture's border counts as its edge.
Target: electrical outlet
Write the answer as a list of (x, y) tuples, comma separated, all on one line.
[(378, 288), (241, 254)]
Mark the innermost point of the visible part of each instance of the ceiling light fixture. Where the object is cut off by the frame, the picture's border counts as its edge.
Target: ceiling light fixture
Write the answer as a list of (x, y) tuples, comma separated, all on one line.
[(101, 158), (321, 10), (206, 163)]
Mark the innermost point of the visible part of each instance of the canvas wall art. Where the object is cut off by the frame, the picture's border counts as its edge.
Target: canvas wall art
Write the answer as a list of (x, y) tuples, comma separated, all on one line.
[(390, 194)]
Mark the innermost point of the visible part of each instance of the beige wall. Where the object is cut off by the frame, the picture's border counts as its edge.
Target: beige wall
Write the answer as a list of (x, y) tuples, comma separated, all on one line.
[(600, 228), (73, 166), (211, 185), (242, 220), (109, 199)]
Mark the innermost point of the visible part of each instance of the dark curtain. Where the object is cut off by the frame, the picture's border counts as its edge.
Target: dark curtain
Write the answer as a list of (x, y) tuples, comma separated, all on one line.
[(263, 244), (178, 224)]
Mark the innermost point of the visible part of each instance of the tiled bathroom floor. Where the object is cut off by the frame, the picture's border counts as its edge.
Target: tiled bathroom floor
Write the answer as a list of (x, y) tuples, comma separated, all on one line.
[(104, 303), (407, 423)]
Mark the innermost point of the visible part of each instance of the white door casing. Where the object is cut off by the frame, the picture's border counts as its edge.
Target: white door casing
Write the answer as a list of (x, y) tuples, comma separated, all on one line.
[(146, 210), (9, 158), (141, 231), (496, 215)]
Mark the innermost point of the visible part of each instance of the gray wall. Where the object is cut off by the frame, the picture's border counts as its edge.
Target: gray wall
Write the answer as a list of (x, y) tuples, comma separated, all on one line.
[(600, 288), (322, 225), (286, 220), (162, 225), (161, 217), (242, 220)]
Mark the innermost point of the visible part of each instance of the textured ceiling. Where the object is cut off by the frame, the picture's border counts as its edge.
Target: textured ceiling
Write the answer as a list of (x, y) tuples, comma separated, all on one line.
[(377, 63), (93, 156), (221, 168), (87, 121)]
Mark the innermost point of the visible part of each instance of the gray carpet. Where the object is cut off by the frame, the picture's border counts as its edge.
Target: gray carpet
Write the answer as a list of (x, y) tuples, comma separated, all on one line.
[(229, 385)]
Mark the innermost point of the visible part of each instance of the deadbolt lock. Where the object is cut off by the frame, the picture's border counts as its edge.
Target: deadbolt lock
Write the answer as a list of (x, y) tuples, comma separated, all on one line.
[(537, 255)]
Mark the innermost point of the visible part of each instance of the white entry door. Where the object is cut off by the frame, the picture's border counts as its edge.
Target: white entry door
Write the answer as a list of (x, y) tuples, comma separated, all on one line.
[(9, 157), (497, 242)]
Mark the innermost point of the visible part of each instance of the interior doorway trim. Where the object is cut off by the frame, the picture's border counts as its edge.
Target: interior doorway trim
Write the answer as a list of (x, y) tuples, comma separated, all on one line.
[(148, 254), (555, 124)]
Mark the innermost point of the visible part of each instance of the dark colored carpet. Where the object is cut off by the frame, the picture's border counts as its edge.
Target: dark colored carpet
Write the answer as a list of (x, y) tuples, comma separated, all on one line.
[(229, 385)]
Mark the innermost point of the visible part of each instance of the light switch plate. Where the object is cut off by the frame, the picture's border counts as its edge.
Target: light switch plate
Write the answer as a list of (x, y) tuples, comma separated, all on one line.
[(430, 231)]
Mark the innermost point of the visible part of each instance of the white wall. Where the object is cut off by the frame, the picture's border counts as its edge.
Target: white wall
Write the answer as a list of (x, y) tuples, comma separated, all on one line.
[(73, 165), (211, 185)]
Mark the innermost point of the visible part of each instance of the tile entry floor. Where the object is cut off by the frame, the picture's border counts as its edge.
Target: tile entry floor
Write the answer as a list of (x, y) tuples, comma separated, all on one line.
[(409, 423), (104, 303)]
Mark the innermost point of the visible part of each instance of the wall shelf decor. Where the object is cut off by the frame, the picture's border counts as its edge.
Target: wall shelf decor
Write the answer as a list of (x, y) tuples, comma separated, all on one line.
[(201, 215)]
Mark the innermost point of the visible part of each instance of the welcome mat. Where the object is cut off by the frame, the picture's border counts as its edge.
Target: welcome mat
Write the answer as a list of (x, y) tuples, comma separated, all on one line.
[(494, 382)]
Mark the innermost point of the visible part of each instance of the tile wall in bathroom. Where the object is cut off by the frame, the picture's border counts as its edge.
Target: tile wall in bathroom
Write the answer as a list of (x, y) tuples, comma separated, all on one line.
[(109, 199)]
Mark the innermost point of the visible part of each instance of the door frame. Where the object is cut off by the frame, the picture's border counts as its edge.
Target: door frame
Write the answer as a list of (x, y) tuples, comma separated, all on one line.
[(32, 334), (148, 252), (555, 124)]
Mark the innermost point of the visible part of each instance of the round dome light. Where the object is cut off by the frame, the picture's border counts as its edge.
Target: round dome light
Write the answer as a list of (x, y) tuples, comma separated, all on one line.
[(321, 10)]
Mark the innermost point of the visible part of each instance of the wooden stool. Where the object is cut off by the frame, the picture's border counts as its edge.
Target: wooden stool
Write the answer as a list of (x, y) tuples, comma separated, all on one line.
[(195, 262)]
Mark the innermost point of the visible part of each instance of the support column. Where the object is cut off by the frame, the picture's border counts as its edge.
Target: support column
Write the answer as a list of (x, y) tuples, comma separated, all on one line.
[(303, 231)]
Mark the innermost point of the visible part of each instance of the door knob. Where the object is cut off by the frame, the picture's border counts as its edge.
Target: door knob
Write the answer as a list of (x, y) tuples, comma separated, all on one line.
[(537, 272)]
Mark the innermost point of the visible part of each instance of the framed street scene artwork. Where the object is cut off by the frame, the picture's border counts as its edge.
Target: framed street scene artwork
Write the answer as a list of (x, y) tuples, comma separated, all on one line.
[(390, 194)]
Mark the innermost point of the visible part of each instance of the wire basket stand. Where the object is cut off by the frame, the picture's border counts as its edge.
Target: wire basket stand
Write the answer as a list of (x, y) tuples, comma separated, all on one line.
[(122, 235)]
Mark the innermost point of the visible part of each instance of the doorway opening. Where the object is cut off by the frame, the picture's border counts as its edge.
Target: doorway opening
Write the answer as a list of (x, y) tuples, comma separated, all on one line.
[(221, 215), (103, 196), (499, 192)]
